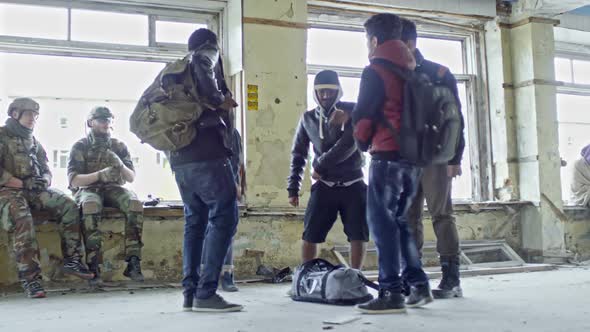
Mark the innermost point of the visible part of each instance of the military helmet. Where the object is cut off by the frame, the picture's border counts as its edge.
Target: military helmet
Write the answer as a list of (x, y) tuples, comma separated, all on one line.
[(100, 112), (23, 104)]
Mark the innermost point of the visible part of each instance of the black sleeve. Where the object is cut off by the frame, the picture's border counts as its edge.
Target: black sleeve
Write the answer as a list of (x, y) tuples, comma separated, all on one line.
[(339, 152), (450, 81), (366, 113), (299, 154), (204, 63)]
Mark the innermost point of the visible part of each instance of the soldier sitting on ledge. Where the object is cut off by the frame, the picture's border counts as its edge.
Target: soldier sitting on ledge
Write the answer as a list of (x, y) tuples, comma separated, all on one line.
[(98, 167), (25, 182)]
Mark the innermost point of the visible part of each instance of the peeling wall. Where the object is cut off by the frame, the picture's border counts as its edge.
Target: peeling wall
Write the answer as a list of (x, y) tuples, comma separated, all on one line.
[(278, 236), (274, 60), (577, 232)]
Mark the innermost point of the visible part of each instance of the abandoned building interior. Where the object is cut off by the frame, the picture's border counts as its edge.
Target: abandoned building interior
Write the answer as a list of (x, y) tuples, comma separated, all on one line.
[(523, 76)]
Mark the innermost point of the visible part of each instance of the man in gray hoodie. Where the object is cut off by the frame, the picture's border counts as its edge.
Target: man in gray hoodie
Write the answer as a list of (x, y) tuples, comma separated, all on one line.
[(337, 171)]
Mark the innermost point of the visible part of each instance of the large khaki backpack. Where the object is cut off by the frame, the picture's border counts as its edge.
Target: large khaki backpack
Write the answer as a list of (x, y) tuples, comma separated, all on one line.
[(168, 108)]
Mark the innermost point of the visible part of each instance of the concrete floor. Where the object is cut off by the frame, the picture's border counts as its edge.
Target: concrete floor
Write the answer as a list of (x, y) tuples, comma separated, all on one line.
[(540, 301)]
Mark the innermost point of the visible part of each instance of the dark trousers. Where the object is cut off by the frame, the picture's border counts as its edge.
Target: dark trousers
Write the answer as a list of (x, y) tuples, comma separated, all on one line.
[(435, 187)]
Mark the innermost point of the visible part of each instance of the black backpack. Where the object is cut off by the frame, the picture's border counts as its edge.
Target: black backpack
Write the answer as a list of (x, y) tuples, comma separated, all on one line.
[(430, 125)]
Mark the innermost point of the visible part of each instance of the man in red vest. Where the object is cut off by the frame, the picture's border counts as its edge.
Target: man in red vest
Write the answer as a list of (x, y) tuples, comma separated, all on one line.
[(392, 180)]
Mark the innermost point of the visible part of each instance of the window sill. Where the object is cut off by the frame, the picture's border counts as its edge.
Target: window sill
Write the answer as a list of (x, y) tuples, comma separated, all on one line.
[(174, 210)]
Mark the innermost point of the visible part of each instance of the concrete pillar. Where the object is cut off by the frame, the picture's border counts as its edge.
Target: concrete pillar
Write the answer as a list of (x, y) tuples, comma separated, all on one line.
[(274, 61), (501, 100), (537, 148)]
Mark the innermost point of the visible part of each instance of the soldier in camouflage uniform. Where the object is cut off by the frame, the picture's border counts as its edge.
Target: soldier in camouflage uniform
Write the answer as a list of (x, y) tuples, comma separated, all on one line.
[(24, 186), (98, 167)]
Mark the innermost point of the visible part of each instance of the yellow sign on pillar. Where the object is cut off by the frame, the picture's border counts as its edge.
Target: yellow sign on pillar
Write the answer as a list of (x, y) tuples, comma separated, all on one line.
[(252, 97)]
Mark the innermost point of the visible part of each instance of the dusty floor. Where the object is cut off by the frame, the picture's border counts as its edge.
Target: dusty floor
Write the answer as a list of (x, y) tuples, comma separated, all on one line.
[(540, 301)]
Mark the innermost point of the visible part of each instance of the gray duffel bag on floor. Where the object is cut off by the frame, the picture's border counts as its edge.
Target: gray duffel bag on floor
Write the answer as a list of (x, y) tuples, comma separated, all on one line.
[(322, 282)]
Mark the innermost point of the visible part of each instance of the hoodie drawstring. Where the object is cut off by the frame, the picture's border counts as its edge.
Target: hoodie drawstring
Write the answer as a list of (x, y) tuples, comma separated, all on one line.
[(321, 124)]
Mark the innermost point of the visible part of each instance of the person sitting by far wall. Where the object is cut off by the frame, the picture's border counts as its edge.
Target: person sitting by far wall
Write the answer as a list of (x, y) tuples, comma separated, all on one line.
[(581, 178)]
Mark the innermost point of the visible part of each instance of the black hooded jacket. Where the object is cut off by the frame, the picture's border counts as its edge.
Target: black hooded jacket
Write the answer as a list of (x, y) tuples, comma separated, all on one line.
[(336, 157)]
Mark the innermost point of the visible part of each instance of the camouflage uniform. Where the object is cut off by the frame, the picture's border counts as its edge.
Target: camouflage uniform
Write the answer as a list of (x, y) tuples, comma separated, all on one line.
[(25, 158), (90, 155)]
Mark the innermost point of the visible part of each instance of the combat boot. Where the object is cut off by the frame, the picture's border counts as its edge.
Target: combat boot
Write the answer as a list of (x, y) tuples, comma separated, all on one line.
[(95, 282), (77, 268), (133, 270), (33, 288), (450, 285)]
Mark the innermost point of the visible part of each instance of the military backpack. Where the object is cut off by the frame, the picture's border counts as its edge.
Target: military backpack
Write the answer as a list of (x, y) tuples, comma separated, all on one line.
[(165, 114)]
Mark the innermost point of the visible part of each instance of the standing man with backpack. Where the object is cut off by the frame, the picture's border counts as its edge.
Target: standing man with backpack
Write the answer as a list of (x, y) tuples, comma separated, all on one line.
[(337, 170), (205, 179), (435, 183), (392, 179)]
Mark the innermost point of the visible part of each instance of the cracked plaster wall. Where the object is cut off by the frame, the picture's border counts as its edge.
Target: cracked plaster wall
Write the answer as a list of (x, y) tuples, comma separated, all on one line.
[(278, 236)]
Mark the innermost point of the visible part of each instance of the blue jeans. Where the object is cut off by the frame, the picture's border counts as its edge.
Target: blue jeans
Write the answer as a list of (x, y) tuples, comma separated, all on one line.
[(392, 186), (209, 195), (228, 261)]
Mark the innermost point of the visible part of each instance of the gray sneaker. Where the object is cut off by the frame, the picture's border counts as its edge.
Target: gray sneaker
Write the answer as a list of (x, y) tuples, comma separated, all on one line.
[(215, 303)]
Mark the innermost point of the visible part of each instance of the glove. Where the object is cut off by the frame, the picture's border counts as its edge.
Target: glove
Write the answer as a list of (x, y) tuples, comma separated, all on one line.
[(36, 183), (114, 160), (109, 175)]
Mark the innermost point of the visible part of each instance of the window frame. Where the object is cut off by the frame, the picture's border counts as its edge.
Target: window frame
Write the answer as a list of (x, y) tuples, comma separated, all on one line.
[(571, 52), (570, 87), (210, 15), (155, 52), (474, 79)]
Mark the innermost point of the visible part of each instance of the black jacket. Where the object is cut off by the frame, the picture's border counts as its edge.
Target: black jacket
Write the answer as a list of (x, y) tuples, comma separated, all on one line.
[(441, 75), (215, 126), (336, 159)]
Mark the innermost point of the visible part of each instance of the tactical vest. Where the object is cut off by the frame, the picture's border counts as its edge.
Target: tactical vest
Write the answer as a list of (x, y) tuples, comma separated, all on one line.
[(18, 160), (96, 157)]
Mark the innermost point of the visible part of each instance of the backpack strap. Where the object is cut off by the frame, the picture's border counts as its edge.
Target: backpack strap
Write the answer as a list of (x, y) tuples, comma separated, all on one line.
[(400, 72), (190, 87), (404, 73)]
